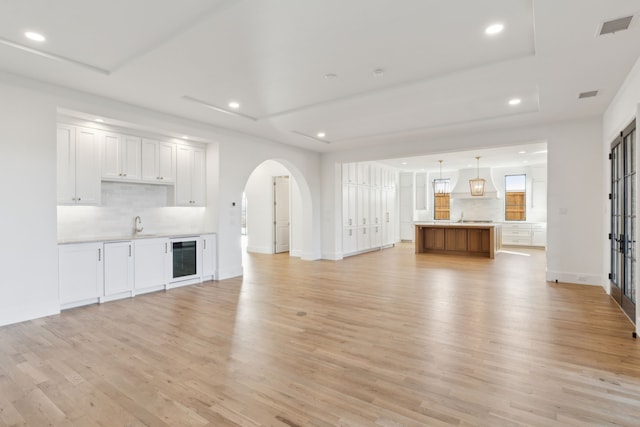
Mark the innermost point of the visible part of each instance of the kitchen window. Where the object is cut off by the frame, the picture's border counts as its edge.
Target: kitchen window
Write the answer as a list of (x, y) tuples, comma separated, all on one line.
[(441, 199), (515, 196)]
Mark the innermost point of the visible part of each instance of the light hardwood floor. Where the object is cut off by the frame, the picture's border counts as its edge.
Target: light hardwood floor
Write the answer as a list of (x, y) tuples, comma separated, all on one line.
[(388, 338)]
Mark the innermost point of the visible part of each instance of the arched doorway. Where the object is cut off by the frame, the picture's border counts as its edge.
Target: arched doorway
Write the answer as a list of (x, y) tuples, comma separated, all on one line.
[(273, 211)]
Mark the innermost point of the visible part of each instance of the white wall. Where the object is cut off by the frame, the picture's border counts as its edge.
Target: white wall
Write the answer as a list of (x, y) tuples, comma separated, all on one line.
[(574, 183), (28, 115), (29, 253), (624, 108), (259, 193)]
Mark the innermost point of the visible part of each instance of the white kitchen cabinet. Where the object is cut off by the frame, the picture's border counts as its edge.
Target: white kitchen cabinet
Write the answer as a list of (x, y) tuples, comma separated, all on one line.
[(349, 203), (209, 256), (152, 264), (158, 161), (78, 163), (364, 173), (539, 234), (363, 206), (121, 157), (388, 217), (80, 273), (190, 176), (118, 270), (363, 238), (516, 234), (349, 240), (349, 173)]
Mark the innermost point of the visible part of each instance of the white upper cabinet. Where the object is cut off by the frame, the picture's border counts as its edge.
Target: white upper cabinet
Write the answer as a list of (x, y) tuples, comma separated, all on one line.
[(158, 161), (121, 157), (78, 165), (190, 176)]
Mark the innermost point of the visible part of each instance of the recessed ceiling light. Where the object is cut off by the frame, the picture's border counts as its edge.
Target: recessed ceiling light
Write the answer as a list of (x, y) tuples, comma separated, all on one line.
[(185, 137), (403, 163), (329, 76), (100, 120), (540, 152), (36, 37), (321, 134), (525, 161), (378, 72), (494, 29), (522, 152), (235, 105), (515, 101)]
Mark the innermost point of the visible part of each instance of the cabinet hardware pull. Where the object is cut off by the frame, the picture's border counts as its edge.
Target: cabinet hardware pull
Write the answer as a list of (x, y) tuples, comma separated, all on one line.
[(165, 248), (79, 198), (350, 232), (129, 250), (162, 177), (205, 244), (99, 254)]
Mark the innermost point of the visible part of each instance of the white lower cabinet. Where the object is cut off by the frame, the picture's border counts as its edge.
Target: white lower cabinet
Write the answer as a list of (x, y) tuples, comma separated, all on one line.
[(118, 271), (104, 271), (524, 234), (152, 264), (209, 261), (349, 240), (80, 273)]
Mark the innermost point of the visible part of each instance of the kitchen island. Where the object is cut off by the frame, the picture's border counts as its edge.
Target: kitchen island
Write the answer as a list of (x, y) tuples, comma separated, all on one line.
[(461, 238)]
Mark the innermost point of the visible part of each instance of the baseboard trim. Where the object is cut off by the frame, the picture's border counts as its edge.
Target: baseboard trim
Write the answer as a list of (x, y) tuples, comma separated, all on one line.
[(332, 256), (575, 278), (230, 273), (11, 315), (260, 250)]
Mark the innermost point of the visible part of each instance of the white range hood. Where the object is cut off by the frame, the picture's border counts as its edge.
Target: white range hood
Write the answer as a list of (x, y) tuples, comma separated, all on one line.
[(463, 191)]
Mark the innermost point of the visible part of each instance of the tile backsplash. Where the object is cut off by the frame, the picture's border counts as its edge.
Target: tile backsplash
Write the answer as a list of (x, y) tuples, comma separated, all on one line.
[(121, 203)]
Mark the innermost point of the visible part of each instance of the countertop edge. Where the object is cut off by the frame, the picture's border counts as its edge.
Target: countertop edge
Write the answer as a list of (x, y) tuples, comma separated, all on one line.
[(132, 238)]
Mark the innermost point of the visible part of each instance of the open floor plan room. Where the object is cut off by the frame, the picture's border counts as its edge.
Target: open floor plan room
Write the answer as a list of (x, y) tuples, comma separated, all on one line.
[(387, 338)]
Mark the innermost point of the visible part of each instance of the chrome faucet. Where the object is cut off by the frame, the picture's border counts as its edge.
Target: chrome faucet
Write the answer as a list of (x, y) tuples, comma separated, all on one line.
[(461, 217), (138, 224)]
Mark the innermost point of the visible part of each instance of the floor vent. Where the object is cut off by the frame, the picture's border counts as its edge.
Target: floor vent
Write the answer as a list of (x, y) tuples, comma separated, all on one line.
[(616, 25), (589, 94)]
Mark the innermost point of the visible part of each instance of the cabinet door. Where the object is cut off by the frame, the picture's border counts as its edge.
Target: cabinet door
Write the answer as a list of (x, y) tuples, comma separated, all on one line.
[(198, 178), (150, 154), (118, 268), (130, 157), (478, 239), (209, 257), (66, 147), (363, 200), (151, 261), (80, 273), (434, 238), (376, 236), (375, 204), (111, 156), (456, 239), (349, 201), (364, 176), (363, 238), (87, 166), (167, 162), (183, 176), (349, 241)]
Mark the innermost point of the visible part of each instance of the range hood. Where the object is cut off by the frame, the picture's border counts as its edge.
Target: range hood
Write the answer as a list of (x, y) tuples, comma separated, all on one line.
[(463, 191)]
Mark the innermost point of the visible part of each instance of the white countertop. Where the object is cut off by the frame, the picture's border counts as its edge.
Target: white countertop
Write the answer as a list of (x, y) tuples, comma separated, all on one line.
[(113, 239), (456, 224)]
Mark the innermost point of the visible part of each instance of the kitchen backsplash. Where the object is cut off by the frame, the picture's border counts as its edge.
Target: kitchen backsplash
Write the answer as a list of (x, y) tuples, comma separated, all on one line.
[(121, 203), (477, 210)]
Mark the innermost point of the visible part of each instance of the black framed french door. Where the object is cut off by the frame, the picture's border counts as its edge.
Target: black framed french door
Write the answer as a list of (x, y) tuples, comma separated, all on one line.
[(623, 221)]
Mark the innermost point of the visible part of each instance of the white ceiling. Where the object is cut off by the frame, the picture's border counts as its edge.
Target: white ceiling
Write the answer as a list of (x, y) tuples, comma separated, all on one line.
[(440, 71)]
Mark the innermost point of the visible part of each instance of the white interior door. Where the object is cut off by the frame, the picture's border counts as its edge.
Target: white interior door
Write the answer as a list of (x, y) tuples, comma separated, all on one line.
[(281, 213)]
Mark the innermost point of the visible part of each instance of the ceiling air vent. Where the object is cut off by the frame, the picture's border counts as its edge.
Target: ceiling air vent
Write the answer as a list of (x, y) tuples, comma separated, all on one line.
[(615, 25), (589, 94)]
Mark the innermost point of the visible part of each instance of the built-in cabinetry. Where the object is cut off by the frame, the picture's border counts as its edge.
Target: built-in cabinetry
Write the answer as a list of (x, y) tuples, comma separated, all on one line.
[(209, 256), (78, 165), (524, 234), (80, 273), (121, 157), (477, 240), (368, 207), (86, 156), (158, 161), (105, 271), (118, 270), (152, 264), (190, 176)]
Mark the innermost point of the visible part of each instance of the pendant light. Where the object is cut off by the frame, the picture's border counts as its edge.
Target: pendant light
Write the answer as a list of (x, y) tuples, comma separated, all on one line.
[(477, 184), (440, 186)]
